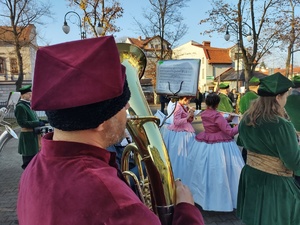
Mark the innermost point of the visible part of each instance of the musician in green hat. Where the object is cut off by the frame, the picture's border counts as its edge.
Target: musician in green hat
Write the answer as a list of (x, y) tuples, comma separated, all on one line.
[(268, 193), (293, 104), (293, 109), (27, 120), (245, 103), (249, 96), (225, 104)]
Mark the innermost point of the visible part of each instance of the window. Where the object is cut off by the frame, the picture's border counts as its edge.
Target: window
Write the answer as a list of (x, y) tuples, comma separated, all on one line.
[(2, 65), (13, 66), (238, 56)]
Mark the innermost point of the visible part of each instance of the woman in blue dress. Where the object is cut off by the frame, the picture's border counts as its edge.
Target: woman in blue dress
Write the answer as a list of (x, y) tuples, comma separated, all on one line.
[(178, 137), (215, 161)]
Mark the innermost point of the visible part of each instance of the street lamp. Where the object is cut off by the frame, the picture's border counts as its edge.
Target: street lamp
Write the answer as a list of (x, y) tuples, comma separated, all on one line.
[(99, 28), (66, 27), (249, 39)]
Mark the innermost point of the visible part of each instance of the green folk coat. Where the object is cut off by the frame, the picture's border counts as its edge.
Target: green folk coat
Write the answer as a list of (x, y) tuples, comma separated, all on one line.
[(225, 104), (263, 198), (27, 118), (246, 100), (293, 109)]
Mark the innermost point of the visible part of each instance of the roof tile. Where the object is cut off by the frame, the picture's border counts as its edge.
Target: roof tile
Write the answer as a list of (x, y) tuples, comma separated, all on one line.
[(7, 35)]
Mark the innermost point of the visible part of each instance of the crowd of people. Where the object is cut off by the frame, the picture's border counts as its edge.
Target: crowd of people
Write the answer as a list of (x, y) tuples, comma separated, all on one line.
[(73, 177), (253, 166)]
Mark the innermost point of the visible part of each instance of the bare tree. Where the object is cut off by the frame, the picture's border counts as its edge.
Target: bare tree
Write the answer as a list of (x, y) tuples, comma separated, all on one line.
[(18, 15), (164, 20), (100, 12), (290, 33), (257, 16)]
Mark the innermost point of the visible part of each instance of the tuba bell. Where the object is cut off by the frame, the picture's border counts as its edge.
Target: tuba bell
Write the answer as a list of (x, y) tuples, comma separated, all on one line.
[(148, 145), (8, 133)]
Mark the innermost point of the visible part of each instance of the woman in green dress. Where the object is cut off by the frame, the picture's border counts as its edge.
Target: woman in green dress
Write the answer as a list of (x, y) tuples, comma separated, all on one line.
[(268, 193)]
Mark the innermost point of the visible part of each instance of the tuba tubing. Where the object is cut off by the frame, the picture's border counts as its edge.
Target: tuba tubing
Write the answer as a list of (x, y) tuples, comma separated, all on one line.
[(6, 135), (144, 130)]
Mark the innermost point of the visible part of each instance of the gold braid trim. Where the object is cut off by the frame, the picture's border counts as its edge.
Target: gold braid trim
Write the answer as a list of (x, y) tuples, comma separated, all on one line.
[(23, 129), (268, 164)]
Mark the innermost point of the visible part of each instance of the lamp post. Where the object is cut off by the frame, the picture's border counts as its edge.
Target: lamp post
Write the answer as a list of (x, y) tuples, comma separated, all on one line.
[(292, 69), (249, 38), (99, 28), (66, 27)]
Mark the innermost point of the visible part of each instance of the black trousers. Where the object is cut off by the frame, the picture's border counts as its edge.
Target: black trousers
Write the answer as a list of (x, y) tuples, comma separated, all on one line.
[(297, 178), (162, 107), (26, 161)]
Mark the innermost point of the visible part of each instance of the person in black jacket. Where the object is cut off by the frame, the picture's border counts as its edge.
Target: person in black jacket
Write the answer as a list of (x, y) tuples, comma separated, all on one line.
[(163, 101), (198, 99)]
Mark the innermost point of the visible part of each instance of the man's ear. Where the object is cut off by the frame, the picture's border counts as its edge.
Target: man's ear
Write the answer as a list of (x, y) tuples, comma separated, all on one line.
[(101, 126)]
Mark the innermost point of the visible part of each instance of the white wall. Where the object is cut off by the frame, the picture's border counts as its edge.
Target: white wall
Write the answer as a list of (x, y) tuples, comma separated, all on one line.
[(190, 51), (28, 54)]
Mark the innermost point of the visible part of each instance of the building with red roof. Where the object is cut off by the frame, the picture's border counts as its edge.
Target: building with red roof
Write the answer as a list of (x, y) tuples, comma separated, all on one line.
[(9, 69), (8, 59), (214, 61)]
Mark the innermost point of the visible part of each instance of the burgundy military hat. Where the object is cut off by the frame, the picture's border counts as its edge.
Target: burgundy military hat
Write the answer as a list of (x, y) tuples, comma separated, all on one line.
[(79, 84), (77, 73)]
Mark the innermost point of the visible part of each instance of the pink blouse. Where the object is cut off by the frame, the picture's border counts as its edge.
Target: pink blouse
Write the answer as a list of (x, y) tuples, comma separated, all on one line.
[(180, 122), (216, 128)]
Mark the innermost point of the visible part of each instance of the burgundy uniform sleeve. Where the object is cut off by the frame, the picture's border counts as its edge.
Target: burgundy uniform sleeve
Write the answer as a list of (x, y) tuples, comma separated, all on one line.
[(133, 214), (187, 214)]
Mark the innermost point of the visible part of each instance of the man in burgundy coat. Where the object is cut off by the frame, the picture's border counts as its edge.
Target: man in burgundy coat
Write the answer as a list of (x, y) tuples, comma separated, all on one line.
[(74, 180)]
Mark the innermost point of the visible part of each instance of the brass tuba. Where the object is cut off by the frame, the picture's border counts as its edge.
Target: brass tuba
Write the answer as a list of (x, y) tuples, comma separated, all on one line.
[(148, 144), (8, 133)]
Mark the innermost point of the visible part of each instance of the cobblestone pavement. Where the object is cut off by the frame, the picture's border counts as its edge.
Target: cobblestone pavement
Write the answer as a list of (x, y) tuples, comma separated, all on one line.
[(10, 172), (220, 218)]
